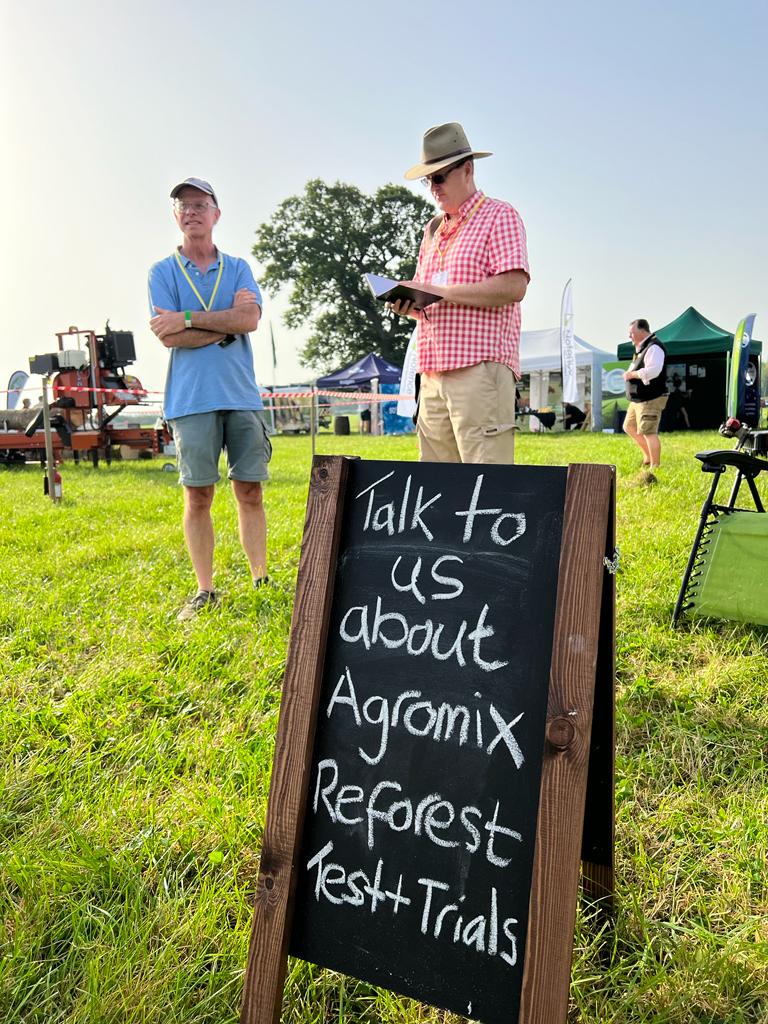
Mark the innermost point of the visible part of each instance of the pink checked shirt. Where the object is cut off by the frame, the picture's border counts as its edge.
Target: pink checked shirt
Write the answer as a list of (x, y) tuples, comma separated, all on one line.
[(485, 238)]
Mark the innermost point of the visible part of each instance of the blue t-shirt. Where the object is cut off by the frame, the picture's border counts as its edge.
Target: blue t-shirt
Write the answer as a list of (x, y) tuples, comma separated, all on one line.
[(211, 378)]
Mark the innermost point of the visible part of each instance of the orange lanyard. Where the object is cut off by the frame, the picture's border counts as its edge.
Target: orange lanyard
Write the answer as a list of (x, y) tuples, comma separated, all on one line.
[(443, 242)]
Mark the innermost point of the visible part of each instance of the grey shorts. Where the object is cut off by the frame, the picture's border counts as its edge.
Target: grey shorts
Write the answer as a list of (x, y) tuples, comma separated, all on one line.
[(201, 437)]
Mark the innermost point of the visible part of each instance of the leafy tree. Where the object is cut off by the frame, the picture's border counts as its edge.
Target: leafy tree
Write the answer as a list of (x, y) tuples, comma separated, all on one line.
[(321, 243)]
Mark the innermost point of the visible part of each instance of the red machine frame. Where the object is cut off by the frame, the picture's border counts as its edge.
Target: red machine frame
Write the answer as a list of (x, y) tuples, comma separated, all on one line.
[(84, 399)]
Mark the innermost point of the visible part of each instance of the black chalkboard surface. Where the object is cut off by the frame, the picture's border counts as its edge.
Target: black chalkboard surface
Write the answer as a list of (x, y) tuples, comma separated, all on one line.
[(416, 861), (435, 748)]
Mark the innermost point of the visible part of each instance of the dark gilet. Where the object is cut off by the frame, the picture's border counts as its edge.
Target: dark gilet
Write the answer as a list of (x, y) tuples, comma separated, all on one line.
[(636, 390)]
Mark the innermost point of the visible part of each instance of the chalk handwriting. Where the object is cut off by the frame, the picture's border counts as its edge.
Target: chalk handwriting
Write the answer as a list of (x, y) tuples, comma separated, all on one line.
[(422, 718), (418, 638), (440, 917), (518, 519), (481, 932), (433, 816), (387, 516), (464, 831), (358, 884), (413, 586)]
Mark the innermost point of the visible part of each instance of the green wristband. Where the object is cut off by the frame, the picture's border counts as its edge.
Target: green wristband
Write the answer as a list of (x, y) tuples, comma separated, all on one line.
[(187, 318)]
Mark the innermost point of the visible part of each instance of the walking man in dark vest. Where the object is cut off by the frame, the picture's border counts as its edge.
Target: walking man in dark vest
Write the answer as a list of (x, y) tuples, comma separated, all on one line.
[(646, 386)]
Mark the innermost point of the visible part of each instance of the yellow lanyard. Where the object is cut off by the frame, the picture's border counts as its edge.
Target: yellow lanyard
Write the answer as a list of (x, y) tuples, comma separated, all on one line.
[(442, 251), (191, 284)]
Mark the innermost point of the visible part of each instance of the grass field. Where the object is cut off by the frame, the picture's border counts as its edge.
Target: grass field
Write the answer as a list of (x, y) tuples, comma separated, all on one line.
[(136, 755)]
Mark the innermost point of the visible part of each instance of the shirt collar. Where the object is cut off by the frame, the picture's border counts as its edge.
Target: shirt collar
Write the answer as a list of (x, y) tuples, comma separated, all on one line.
[(466, 206), (187, 261)]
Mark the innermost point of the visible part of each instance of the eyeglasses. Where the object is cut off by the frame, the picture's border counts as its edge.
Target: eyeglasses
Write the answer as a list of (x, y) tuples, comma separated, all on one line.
[(181, 207), (440, 176)]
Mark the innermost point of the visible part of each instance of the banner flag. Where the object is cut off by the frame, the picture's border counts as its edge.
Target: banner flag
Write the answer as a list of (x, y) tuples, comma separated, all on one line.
[(16, 385), (407, 406), (739, 363), (567, 347)]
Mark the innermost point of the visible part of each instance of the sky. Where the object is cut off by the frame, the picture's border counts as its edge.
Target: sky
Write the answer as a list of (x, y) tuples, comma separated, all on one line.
[(633, 139)]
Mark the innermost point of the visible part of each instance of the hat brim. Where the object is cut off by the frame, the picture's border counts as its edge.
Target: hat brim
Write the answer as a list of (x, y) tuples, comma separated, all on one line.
[(422, 170)]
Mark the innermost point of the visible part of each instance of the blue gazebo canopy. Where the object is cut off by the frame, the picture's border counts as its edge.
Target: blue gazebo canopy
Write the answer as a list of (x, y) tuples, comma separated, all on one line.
[(362, 372)]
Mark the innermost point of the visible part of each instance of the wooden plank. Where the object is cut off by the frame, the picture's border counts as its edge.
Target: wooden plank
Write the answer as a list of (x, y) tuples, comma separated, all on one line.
[(598, 840), (554, 887), (268, 952)]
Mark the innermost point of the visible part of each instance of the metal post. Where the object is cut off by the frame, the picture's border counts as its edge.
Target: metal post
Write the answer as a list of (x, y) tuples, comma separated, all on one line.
[(375, 409), (597, 395), (50, 468)]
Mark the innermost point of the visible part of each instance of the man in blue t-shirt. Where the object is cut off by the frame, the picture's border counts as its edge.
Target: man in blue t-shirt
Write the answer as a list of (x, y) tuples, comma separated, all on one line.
[(203, 305)]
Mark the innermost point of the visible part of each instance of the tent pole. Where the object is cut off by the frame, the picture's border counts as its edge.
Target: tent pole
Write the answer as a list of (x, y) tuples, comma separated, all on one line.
[(375, 409), (597, 394), (313, 417), (272, 410)]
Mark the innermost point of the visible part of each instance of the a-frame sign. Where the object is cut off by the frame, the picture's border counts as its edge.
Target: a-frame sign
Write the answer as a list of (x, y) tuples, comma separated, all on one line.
[(443, 769)]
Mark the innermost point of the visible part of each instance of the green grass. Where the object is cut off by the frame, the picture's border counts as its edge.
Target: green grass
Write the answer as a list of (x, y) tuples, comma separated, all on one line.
[(136, 756)]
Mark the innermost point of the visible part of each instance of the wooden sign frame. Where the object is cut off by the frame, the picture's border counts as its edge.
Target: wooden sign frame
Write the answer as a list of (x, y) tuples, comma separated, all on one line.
[(576, 805)]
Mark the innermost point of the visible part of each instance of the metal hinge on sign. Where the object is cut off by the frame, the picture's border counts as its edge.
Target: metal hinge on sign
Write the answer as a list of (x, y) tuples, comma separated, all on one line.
[(612, 564)]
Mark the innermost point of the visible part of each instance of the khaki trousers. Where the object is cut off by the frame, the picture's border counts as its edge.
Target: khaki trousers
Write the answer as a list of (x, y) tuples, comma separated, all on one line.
[(468, 415)]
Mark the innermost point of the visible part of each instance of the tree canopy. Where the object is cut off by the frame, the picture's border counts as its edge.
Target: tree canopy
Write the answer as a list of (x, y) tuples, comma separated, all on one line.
[(320, 244)]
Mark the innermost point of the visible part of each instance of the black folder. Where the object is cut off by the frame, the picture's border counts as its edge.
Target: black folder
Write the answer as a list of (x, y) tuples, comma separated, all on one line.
[(387, 290)]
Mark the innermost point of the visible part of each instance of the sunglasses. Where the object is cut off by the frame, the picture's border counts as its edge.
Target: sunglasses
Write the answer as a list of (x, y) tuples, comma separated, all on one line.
[(440, 177)]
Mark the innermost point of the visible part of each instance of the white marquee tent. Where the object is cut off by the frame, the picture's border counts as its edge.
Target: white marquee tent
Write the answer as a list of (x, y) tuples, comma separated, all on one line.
[(540, 355)]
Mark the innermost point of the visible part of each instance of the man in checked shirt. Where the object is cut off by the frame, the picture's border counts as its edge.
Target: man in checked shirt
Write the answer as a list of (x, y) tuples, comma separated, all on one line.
[(474, 255)]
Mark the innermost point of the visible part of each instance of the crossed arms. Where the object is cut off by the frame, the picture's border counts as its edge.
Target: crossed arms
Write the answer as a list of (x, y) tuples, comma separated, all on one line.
[(208, 328)]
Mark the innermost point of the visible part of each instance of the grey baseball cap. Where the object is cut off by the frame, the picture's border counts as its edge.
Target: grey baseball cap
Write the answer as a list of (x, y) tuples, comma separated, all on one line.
[(204, 186)]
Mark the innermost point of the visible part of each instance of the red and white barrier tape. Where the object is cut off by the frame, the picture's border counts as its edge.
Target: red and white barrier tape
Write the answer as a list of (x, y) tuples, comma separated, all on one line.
[(105, 391), (350, 397)]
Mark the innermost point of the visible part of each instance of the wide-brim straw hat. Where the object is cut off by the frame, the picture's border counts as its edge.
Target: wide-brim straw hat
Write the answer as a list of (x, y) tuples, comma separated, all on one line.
[(443, 145)]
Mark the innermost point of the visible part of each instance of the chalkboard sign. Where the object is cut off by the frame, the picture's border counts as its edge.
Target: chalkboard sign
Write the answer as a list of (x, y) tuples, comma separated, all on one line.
[(426, 814)]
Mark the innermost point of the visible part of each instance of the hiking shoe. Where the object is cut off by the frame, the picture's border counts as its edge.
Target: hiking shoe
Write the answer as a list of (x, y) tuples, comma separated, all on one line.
[(260, 582), (647, 478), (202, 599)]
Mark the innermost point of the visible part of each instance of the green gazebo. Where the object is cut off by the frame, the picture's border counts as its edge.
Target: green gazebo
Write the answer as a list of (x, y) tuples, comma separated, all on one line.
[(698, 352)]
